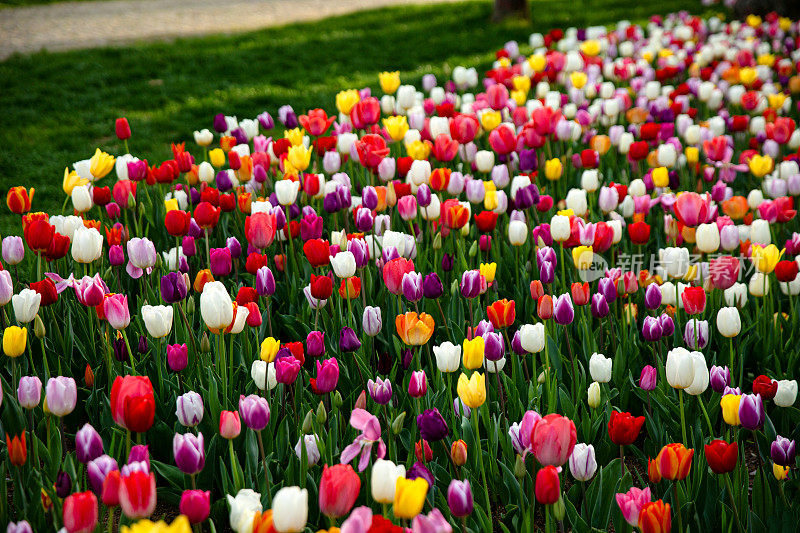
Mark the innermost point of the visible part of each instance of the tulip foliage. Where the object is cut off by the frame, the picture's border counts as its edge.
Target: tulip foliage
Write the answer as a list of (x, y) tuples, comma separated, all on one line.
[(560, 296)]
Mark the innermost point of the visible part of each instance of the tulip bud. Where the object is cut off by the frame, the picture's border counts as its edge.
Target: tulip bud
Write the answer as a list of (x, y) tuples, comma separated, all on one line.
[(519, 467), (190, 306), (594, 395), (559, 508), (473, 250), (205, 344), (437, 241), (38, 328), (322, 414), (397, 424), (458, 453), (308, 422), (337, 400)]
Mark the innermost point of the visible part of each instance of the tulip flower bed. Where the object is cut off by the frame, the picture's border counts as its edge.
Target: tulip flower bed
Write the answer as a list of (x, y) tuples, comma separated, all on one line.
[(560, 294)]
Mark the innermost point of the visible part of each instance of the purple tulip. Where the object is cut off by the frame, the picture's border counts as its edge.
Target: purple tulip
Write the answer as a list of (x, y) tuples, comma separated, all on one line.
[(369, 197), (432, 426), (651, 329), (310, 226), (63, 484), (286, 369), (315, 343), (380, 390), (667, 325), (265, 282), (265, 120), (29, 391), (220, 124), (751, 411), (221, 261), (173, 287), (696, 334), (516, 344), (608, 288), (719, 378), (494, 346), (599, 306), (547, 272), (143, 346), (140, 454), (424, 195), (254, 411), (233, 244), (648, 378), (471, 283), (98, 469), (189, 409), (177, 356), (287, 116), (23, 526), (447, 262), (188, 245), (372, 321), (116, 256), (88, 444), (432, 287), (189, 452), (563, 311), (483, 327), (327, 375), (61, 395), (782, 451), (652, 296), (364, 220), (348, 340)]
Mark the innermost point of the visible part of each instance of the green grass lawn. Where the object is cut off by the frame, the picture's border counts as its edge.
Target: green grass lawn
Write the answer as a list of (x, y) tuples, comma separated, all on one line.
[(58, 107)]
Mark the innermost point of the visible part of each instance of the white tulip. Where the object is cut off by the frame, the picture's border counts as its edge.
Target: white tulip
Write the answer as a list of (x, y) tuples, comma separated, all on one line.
[(448, 356), (157, 319), (560, 228), (787, 393), (384, 480), (216, 306), (532, 337), (484, 161), (344, 264), (759, 284), (700, 375), (707, 237), (680, 368), (87, 245), (729, 323), (243, 509), (517, 232), (239, 321), (205, 172), (263, 374), (82, 198), (286, 191), (600, 367), (26, 305), (290, 510)]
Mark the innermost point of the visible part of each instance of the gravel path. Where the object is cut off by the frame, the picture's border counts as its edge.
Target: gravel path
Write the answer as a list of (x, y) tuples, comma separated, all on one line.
[(71, 25)]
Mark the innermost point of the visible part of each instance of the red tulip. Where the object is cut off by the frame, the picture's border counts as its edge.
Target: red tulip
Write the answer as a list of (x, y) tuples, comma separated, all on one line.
[(548, 486), (133, 404), (80, 512), (206, 215), (260, 229), (122, 129), (137, 494), (318, 252), (393, 272), (544, 307), (552, 439), (110, 492), (786, 271), (195, 505), (229, 424), (486, 221), (623, 428), (723, 271), (765, 386), (321, 287), (694, 300), (47, 289), (177, 222), (722, 456), (691, 208), (338, 490), (39, 233), (639, 232), (580, 293)]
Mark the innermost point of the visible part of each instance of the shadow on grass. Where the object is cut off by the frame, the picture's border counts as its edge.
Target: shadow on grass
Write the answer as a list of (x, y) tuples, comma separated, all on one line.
[(58, 107)]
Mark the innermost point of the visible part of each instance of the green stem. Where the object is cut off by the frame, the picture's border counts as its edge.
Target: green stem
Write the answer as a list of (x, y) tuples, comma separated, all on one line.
[(479, 453), (683, 417)]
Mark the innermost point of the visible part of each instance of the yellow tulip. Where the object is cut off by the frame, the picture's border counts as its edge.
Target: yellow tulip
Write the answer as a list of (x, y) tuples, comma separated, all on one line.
[(748, 75), (566, 213), (590, 47), (780, 472), (553, 169), (660, 177), (765, 258), (490, 200), (578, 79), (295, 136), (692, 154), (389, 81), (409, 497), (269, 349), (730, 408), (473, 353), (519, 97), (776, 101), (490, 120), (418, 150), (101, 164), (521, 83), (785, 23), (488, 271), (72, 180), (504, 62), (15, 339), (217, 157), (299, 156), (760, 165), (766, 59), (472, 391), (396, 126), (753, 20), (537, 62), (171, 204), (179, 525), (345, 100), (582, 256)]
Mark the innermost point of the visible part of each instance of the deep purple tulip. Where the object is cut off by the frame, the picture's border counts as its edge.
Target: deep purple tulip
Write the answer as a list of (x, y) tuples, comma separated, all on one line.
[(189, 452), (751, 411), (221, 261), (516, 344), (782, 451), (471, 283), (120, 351), (98, 469), (547, 272), (364, 220), (447, 262), (265, 281), (719, 378), (651, 329), (607, 288), (348, 340), (63, 484), (177, 356), (173, 287), (494, 346), (380, 390), (432, 426), (143, 345), (412, 286), (88, 444), (648, 378), (254, 411), (233, 244), (432, 287), (599, 306), (563, 311), (652, 296), (459, 498), (420, 470), (667, 325), (223, 181)]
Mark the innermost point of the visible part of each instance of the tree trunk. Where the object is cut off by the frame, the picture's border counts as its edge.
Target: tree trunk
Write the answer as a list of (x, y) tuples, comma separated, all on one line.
[(508, 8)]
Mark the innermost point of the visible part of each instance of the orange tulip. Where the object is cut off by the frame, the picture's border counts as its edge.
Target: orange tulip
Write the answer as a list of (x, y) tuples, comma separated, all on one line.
[(674, 461), (413, 329), (17, 449), (262, 522), (350, 288), (457, 216), (501, 313), (19, 199), (735, 207), (601, 143), (203, 277), (652, 471), (655, 517)]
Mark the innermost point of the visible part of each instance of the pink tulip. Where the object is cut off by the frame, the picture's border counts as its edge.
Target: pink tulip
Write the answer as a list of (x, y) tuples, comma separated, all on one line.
[(553, 439), (631, 502), (691, 208), (115, 307)]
